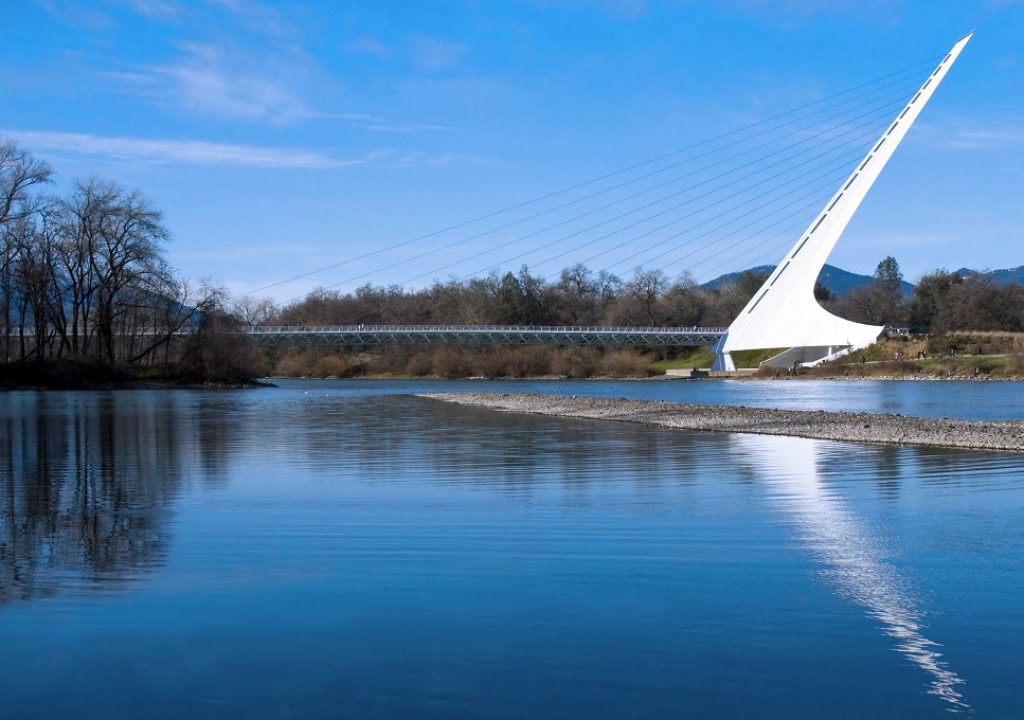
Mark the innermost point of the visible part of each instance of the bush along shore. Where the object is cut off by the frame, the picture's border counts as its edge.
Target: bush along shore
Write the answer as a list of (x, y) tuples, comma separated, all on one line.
[(974, 355), (213, 358), (462, 362), (977, 355), (91, 375), (841, 426)]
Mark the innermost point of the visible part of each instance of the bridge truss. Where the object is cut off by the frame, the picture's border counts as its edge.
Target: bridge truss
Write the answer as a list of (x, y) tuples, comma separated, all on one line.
[(481, 335)]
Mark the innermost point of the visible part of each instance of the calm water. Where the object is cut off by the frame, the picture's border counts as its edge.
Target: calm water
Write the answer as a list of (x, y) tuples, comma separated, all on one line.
[(342, 550), (982, 400)]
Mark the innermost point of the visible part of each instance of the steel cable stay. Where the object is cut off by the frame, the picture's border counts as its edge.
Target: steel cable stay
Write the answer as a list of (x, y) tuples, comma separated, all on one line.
[(875, 82), (786, 232), (885, 111), (845, 158), (902, 92), (857, 142), (709, 274), (817, 189), (899, 93), (773, 251), (769, 192), (830, 179), (461, 260), (816, 194)]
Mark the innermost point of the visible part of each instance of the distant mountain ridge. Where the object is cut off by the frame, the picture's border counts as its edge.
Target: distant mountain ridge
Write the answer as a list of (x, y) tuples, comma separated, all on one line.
[(1003, 276), (836, 279), (840, 281)]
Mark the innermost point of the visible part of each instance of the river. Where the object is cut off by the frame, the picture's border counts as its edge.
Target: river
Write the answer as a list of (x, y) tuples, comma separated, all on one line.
[(342, 549)]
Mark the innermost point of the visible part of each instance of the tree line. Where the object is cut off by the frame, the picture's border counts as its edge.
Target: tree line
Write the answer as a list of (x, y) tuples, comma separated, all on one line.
[(577, 297), (83, 275), (941, 302)]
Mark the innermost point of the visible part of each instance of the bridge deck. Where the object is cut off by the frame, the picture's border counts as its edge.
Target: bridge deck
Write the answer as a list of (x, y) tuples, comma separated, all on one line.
[(480, 335)]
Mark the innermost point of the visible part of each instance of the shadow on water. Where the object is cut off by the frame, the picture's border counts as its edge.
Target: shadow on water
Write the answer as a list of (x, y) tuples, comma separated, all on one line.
[(854, 559)]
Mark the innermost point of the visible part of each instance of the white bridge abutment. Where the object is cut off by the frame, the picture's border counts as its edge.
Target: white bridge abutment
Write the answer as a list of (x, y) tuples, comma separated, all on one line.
[(784, 312)]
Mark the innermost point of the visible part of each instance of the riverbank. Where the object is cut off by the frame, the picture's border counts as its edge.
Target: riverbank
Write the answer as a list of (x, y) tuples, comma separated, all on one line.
[(820, 425), (83, 375), (956, 356)]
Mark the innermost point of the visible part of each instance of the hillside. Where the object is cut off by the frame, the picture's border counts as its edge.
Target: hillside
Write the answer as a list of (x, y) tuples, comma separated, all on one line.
[(1004, 276), (836, 279)]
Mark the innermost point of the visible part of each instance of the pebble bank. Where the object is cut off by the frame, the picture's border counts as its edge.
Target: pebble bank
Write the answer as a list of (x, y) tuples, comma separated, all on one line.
[(818, 424)]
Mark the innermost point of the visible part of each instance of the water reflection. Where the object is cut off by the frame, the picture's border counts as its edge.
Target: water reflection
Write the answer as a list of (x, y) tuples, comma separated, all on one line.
[(86, 489), (89, 481), (854, 559), (405, 549)]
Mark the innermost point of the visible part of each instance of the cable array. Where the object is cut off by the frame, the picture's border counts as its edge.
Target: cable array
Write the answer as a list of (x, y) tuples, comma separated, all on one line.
[(688, 212)]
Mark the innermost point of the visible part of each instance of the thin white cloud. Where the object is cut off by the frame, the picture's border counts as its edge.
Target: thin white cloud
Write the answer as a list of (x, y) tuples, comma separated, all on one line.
[(368, 45), (162, 10), (128, 78), (415, 158), (172, 151), (258, 17), (249, 251), (991, 138), (992, 133), (789, 13), (435, 54), (207, 80), (624, 9), (203, 81), (380, 124), (200, 152), (77, 14)]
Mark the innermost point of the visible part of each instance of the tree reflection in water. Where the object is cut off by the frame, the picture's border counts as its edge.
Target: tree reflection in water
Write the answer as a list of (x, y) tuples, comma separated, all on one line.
[(88, 482)]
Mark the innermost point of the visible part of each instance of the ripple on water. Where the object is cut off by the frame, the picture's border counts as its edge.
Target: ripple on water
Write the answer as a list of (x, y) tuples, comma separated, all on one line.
[(264, 549)]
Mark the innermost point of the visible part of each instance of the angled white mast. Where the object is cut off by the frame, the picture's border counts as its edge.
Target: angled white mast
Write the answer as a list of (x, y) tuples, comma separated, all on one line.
[(783, 312)]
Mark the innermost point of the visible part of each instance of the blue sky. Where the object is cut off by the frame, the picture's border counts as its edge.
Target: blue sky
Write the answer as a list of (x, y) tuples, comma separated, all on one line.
[(281, 137)]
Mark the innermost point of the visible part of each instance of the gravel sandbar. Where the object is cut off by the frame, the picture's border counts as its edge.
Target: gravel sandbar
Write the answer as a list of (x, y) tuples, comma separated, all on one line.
[(818, 424)]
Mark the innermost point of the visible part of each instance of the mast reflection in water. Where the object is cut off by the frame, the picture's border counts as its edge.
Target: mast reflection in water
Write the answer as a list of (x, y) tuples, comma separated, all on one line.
[(298, 550), (854, 561)]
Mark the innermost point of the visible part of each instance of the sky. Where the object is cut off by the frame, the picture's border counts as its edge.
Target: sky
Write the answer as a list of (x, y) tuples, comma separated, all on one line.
[(282, 137)]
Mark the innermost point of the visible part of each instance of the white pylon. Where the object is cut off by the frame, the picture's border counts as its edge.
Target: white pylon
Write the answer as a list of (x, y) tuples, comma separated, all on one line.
[(783, 313)]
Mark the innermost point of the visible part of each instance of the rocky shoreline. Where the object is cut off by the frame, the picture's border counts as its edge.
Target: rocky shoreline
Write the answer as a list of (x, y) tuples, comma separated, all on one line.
[(817, 424)]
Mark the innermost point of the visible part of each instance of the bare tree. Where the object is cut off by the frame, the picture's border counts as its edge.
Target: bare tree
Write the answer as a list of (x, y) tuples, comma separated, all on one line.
[(19, 172), (127, 259), (251, 310), (81, 218)]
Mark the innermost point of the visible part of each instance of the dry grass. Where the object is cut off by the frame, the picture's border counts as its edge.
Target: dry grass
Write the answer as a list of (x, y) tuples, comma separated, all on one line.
[(625, 363), (459, 362)]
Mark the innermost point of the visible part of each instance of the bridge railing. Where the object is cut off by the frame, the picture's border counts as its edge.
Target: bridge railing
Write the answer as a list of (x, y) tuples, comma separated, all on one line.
[(346, 329)]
